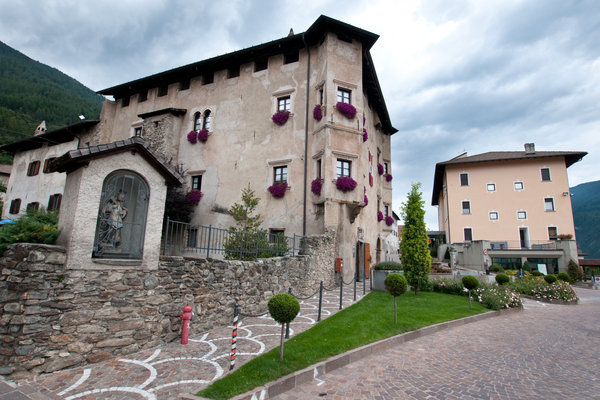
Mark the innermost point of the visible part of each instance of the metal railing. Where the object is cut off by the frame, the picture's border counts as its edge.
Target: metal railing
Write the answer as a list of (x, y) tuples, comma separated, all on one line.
[(524, 245), (183, 239)]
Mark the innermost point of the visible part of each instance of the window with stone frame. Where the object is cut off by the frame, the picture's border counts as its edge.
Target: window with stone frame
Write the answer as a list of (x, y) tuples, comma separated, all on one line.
[(284, 103), (344, 95), (207, 119), (552, 233), (280, 174), (198, 121), (33, 206), (197, 182), (343, 168)]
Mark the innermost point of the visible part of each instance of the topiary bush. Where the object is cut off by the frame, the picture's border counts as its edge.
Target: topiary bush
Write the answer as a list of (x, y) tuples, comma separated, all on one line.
[(283, 307), (526, 267), (470, 282), (535, 272), (496, 268), (563, 276), (389, 266), (501, 279), (396, 285), (550, 278)]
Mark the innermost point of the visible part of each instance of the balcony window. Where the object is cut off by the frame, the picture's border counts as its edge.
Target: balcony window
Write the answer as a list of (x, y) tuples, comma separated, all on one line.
[(343, 168)]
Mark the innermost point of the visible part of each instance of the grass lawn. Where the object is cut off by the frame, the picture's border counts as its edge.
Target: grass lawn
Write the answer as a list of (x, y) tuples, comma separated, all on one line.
[(367, 321)]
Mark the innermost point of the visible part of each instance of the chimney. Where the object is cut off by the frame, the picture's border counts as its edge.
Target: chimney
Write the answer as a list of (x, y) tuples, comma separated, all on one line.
[(529, 148)]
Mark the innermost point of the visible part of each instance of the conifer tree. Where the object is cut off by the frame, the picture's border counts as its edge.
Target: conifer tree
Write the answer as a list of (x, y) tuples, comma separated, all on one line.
[(416, 259)]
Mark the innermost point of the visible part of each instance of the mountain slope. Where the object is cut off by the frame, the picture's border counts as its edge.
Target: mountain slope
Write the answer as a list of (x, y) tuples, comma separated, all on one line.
[(31, 92), (586, 213)]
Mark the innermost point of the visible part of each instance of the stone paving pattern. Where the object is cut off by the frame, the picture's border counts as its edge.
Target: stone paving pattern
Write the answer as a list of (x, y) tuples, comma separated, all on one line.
[(547, 351), (173, 369)]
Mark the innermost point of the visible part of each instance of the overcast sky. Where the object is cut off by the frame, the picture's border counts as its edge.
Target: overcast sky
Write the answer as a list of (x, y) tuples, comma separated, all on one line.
[(457, 76)]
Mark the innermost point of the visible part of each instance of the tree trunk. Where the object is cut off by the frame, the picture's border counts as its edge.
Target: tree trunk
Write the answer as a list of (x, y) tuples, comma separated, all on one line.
[(281, 343), (395, 312)]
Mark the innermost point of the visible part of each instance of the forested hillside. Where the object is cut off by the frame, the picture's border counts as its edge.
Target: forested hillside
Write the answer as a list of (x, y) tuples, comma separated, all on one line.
[(31, 92), (586, 213)]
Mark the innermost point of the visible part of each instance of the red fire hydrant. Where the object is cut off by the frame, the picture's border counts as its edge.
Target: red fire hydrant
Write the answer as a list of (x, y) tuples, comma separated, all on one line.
[(185, 326)]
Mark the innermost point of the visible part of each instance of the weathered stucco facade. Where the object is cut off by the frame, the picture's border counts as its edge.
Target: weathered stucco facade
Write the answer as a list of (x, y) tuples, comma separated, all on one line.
[(241, 91)]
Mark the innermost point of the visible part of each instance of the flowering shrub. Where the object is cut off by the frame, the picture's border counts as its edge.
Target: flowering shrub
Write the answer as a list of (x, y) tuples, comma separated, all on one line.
[(497, 297), (538, 288), (380, 169), (365, 135), (317, 112), (316, 186), (388, 177), (345, 183), (389, 220), (192, 137), (203, 135), (194, 197), (379, 216), (346, 109), (280, 117), (448, 286), (277, 189), (366, 200)]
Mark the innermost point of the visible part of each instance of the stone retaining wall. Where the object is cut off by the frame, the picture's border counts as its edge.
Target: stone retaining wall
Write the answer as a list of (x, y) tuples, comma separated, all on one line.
[(53, 318)]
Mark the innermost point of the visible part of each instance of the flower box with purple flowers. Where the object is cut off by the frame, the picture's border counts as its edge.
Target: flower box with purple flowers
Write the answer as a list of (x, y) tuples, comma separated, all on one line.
[(380, 169), (389, 221), (316, 185), (194, 197), (192, 137), (346, 109), (388, 177), (379, 216), (203, 135), (345, 183), (317, 112), (277, 189), (280, 117)]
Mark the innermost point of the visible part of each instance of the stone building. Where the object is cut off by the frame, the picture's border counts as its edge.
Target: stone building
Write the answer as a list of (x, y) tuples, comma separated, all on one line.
[(232, 99), (304, 107)]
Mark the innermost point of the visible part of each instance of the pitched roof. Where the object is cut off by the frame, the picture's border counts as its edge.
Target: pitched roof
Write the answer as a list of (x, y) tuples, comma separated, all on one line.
[(78, 158), (311, 37), (5, 169), (571, 157), (57, 136)]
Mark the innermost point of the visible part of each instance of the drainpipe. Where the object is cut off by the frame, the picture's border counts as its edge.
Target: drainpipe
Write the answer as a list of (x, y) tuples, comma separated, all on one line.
[(305, 139)]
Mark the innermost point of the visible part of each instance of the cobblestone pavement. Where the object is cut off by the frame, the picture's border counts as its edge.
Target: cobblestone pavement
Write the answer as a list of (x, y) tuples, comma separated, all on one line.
[(547, 351), (165, 372)]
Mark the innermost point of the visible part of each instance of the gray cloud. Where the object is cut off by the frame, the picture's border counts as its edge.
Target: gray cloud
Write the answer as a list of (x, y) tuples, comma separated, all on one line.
[(458, 76)]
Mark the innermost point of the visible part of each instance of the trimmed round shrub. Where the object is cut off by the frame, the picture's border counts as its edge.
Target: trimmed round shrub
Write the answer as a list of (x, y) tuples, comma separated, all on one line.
[(526, 267), (550, 278), (395, 284), (496, 268), (283, 307), (535, 272), (470, 282), (501, 279), (389, 266), (563, 276), (574, 271)]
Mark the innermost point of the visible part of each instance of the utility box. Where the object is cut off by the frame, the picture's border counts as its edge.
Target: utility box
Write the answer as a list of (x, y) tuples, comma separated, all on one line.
[(339, 264)]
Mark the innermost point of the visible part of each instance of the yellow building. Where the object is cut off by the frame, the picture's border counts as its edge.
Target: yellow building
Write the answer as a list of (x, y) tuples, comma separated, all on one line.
[(508, 207)]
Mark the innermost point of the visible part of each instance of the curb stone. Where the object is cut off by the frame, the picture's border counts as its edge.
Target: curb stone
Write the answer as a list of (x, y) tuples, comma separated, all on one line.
[(297, 378)]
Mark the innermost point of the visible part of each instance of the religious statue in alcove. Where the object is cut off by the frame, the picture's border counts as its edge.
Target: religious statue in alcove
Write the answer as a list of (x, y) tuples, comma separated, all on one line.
[(113, 213)]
